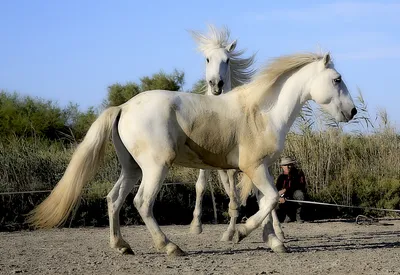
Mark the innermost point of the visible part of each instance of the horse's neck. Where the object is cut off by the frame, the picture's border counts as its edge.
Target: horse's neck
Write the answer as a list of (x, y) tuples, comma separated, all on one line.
[(292, 95), (227, 86)]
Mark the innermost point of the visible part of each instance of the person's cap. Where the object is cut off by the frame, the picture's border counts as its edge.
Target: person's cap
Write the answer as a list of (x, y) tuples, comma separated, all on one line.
[(287, 161)]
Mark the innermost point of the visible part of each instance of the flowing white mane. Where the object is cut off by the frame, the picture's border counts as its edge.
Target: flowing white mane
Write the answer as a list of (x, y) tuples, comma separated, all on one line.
[(274, 70), (241, 71), (285, 64)]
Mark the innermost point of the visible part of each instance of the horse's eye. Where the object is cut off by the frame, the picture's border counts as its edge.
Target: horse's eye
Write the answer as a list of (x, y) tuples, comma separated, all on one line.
[(208, 60), (337, 80)]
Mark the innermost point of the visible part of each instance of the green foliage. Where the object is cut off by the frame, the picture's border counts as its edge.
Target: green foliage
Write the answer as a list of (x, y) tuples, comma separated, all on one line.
[(163, 81), (119, 94), (28, 117), (383, 193), (199, 87), (79, 122)]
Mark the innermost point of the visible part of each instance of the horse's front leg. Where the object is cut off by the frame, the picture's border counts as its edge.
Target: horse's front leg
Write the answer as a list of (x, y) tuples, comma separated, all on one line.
[(277, 227), (195, 226), (275, 223), (228, 180), (264, 182)]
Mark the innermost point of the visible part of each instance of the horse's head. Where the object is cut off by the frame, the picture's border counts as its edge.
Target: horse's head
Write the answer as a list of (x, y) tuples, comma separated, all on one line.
[(218, 69), (328, 89)]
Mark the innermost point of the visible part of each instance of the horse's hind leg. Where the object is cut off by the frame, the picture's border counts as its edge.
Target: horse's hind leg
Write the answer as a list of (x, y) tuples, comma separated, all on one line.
[(115, 200), (228, 180), (130, 175), (195, 225), (153, 176)]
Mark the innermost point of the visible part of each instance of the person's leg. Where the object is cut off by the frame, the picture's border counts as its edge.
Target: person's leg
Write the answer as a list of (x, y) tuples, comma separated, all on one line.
[(298, 195)]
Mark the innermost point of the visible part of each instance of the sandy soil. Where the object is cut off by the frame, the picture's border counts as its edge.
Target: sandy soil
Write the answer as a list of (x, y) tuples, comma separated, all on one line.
[(315, 248)]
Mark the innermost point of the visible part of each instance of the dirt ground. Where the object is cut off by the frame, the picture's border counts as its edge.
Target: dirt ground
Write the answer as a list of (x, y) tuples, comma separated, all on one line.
[(315, 248)]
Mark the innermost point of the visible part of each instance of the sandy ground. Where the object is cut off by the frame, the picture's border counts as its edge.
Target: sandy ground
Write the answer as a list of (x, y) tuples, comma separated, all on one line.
[(315, 248)]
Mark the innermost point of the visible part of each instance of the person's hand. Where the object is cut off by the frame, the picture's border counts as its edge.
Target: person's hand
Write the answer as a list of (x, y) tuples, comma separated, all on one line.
[(282, 200), (282, 191)]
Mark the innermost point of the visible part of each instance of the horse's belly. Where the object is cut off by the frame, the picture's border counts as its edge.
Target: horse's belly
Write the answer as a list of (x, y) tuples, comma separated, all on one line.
[(189, 156)]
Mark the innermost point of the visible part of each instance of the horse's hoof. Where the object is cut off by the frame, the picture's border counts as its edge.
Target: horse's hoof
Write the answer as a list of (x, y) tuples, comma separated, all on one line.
[(177, 252), (226, 237), (279, 248), (126, 251), (196, 230), (122, 247), (240, 233), (280, 237)]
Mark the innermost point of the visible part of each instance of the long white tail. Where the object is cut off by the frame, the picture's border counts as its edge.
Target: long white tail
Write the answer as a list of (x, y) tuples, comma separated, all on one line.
[(55, 209)]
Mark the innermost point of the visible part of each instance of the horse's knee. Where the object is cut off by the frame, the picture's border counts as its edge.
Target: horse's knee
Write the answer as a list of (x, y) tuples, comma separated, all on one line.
[(270, 200), (144, 208), (109, 199), (233, 205), (200, 187), (201, 180)]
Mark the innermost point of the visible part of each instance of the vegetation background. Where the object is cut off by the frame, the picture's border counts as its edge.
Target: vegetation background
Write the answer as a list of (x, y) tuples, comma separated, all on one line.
[(358, 165)]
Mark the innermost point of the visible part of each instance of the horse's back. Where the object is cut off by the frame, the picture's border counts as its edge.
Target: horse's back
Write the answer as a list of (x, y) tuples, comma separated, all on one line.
[(191, 127)]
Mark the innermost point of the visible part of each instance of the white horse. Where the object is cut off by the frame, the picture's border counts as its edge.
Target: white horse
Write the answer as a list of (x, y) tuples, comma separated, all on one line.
[(225, 70), (244, 129)]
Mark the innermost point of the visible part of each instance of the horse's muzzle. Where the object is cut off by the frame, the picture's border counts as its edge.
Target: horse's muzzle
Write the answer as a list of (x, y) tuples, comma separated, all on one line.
[(217, 92)]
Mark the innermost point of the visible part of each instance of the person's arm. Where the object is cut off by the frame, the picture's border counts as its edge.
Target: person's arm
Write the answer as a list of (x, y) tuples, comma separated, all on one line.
[(303, 182), (281, 190), (279, 184)]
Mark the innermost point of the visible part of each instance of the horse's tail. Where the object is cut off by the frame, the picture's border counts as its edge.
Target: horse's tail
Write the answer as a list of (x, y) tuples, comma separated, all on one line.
[(245, 186), (55, 209)]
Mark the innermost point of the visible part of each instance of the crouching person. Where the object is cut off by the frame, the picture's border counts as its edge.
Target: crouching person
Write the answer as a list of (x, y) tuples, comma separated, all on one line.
[(291, 184)]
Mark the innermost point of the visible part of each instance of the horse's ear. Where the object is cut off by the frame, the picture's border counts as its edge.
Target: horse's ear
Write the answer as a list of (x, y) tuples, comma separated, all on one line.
[(326, 59), (231, 46)]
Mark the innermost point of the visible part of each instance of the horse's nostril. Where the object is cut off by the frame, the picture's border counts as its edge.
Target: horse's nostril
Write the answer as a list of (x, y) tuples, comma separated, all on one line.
[(211, 82), (353, 112), (220, 84)]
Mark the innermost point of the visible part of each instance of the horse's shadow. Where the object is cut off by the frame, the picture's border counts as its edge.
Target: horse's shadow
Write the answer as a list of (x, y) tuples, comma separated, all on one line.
[(342, 237), (228, 252), (303, 249), (347, 247), (331, 243), (342, 242)]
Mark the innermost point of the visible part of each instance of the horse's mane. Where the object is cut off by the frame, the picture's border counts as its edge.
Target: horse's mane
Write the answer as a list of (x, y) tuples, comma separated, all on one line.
[(241, 71), (277, 68), (284, 64)]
